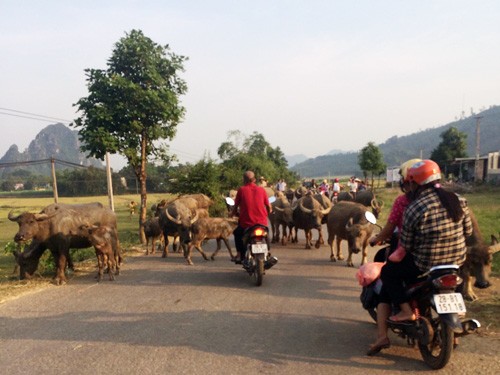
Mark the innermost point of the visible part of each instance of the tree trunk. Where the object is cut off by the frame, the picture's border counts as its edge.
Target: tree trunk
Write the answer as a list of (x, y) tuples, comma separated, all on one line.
[(144, 197)]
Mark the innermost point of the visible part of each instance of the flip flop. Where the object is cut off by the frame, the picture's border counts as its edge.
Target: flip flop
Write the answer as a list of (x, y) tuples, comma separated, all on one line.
[(396, 319)]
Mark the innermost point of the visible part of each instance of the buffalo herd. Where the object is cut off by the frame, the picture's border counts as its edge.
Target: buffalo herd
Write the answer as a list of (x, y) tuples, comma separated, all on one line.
[(185, 219)]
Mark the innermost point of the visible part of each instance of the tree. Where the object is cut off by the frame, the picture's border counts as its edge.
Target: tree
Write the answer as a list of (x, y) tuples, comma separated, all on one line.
[(370, 159), (453, 145), (132, 105), (241, 153)]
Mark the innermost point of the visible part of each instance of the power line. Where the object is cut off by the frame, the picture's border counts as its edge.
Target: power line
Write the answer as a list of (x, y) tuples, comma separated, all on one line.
[(32, 114)]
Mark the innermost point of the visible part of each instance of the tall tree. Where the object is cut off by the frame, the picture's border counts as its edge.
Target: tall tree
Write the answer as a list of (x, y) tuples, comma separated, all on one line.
[(132, 105), (453, 145), (370, 159)]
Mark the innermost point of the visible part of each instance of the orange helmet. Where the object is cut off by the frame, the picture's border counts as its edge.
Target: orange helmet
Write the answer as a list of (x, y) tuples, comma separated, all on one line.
[(403, 170), (424, 172)]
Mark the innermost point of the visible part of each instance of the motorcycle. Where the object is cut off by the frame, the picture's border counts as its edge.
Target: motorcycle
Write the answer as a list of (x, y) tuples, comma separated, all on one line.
[(257, 258), (438, 310)]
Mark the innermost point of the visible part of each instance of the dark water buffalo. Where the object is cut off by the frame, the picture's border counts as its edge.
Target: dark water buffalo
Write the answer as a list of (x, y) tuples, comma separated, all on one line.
[(176, 220), (207, 228), (366, 198), (308, 215), (57, 228), (153, 232), (101, 237), (347, 221), (478, 261), (281, 216)]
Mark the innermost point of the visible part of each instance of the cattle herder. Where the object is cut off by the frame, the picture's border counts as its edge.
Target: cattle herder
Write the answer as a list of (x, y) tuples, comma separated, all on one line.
[(254, 207)]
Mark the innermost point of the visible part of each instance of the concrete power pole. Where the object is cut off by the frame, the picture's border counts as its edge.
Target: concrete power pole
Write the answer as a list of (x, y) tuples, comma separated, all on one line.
[(477, 169)]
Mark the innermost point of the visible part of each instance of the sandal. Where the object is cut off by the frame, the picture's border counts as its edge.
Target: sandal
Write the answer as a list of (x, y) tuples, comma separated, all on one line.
[(397, 319), (378, 346)]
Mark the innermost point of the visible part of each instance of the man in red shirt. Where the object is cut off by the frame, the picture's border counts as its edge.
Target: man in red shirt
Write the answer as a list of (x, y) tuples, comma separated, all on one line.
[(253, 207)]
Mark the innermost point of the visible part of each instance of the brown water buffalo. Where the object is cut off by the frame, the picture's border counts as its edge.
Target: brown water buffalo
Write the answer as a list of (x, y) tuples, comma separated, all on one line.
[(366, 198), (176, 220), (101, 237), (478, 261), (347, 221), (217, 228), (281, 216), (308, 215), (56, 228)]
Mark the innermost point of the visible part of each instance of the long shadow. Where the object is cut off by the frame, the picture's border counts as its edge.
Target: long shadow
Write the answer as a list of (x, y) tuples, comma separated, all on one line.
[(298, 338)]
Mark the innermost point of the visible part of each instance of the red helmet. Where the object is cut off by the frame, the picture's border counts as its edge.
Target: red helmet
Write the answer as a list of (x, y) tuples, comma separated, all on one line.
[(336, 180), (424, 172)]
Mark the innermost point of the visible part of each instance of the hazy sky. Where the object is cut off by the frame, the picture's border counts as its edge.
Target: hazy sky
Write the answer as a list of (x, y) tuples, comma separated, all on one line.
[(311, 76)]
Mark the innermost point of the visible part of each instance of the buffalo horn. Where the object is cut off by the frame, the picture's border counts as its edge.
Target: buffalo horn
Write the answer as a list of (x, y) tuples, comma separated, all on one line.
[(12, 217), (304, 209), (171, 218), (193, 220)]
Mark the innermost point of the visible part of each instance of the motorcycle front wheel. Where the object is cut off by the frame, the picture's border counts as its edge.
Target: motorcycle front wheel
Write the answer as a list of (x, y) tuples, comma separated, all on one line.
[(438, 352), (259, 270)]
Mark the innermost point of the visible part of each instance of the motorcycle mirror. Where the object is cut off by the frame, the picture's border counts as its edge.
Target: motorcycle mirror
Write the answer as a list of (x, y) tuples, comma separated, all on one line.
[(272, 199), (230, 201), (370, 217)]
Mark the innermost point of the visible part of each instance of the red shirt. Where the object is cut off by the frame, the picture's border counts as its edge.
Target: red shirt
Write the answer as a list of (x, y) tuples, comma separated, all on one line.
[(252, 201)]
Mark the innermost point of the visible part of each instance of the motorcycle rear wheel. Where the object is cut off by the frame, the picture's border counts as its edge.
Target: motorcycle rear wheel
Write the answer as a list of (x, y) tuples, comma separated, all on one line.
[(437, 354), (259, 271)]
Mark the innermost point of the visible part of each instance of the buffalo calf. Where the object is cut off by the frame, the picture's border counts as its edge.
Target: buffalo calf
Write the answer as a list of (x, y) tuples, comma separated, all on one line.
[(217, 228)]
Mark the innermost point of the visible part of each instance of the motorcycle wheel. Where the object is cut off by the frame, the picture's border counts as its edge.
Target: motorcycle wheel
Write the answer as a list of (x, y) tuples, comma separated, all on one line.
[(437, 354), (259, 271)]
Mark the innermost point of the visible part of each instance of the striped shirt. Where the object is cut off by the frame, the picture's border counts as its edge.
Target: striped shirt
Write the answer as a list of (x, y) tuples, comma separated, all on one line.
[(431, 235)]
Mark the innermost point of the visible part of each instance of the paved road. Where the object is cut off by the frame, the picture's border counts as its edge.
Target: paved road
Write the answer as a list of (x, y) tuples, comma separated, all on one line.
[(163, 317)]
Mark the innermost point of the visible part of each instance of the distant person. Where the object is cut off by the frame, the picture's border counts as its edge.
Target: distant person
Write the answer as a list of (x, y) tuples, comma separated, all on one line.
[(353, 186), (262, 181), (281, 186)]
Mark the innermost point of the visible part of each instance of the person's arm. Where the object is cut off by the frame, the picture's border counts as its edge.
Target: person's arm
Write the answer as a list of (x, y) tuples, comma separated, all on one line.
[(384, 234)]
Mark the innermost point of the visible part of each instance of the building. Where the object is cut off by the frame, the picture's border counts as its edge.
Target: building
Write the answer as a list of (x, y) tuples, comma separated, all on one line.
[(485, 168)]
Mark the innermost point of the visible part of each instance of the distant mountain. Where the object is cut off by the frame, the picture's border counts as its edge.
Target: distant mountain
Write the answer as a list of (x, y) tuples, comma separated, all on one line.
[(399, 149), (295, 159), (57, 141)]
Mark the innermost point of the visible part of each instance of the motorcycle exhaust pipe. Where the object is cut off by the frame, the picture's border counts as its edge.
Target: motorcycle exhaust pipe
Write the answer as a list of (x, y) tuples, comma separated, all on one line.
[(469, 326), (270, 262)]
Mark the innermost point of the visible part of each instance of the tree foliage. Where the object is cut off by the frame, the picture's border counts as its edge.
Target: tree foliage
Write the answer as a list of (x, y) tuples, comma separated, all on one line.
[(241, 153), (371, 160), (133, 104), (453, 145)]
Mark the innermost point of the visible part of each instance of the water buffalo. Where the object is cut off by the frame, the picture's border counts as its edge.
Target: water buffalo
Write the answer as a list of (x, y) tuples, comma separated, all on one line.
[(101, 237), (176, 220), (56, 228), (308, 215), (153, 232), (211, 228), (281, 216), (478, 261), (347, 221), (366, 198)]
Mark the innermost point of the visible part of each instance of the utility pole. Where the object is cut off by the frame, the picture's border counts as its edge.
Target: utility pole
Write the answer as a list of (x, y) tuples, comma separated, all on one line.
[(54, 181), (110, 183), (477, 170)]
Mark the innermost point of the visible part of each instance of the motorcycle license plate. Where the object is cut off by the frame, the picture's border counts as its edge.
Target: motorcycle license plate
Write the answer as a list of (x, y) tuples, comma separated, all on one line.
[(449, 303), (259, 248)]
